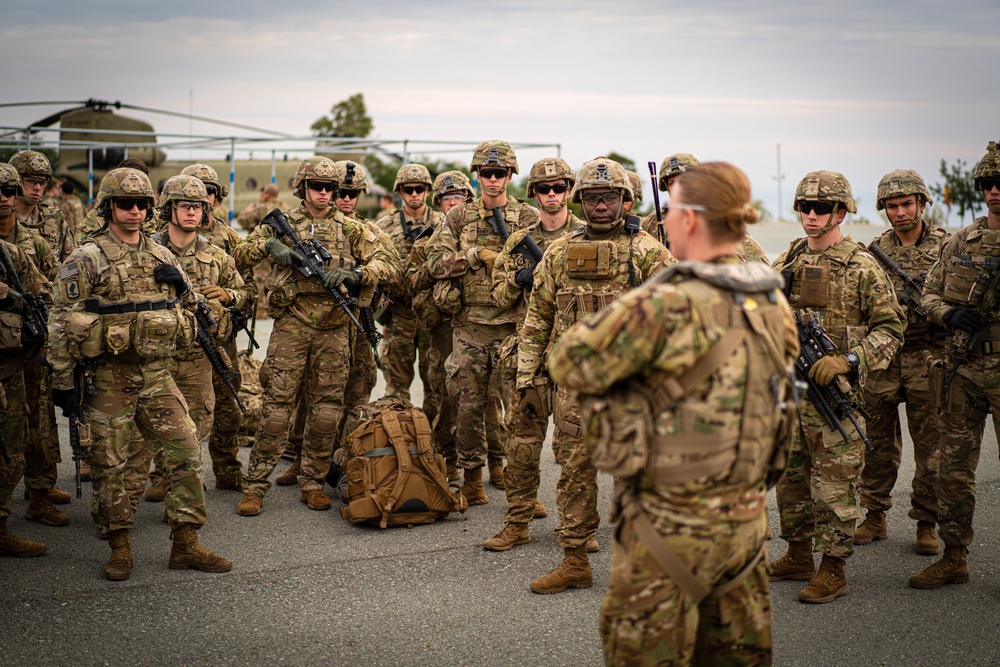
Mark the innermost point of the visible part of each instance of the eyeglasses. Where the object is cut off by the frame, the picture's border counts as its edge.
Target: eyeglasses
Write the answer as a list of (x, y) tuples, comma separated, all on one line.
[(212, 189), (987, 184), (453, 197), (594, 198), (128, 203), (348, 194), (322, 186), (821, 207), (189, 206), (34, 180), (559, 188), (499, 174), (683, 207), (413, 189), (8, 190)]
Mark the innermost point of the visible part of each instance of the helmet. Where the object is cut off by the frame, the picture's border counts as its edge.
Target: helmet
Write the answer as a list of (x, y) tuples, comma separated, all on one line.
[(549, 169), (636, 182), (825, 186), (352, 176), (494, 153), (673, 165), (9, 176), (182, 188), (125, 182), (988, 167), (31, 163), (206, 175), (452, 182), (602, 173), (315, 168), (412, 173), (899, 183)]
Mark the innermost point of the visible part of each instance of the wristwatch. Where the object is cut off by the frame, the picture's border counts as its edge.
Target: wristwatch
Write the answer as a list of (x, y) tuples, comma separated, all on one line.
[(853, 360)]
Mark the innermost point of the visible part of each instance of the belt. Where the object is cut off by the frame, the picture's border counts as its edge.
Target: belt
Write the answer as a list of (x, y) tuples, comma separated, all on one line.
[(92, 305)]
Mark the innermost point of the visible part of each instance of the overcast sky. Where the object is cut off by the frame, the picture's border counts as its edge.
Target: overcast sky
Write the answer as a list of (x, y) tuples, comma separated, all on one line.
[(860, 87)]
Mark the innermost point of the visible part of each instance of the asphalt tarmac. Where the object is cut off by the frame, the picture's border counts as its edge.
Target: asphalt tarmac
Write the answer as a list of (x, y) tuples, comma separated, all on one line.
[(310, 588)]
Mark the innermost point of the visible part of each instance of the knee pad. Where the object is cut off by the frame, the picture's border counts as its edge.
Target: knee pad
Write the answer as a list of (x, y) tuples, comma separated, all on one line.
[(324, 420), (275, 423)]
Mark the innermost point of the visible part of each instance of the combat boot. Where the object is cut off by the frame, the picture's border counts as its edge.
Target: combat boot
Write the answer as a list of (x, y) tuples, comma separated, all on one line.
[(249, 504), (453, 472), (797, 564), (119, 567), (927, 541), (539, 512), (872, 528), (828, 584), (593, 546), (291, 475), (229, 482), (12, 545), (157, 491), (315, 500), (56, 496), (952, 569), (40, 508), (495, 464), (187, 552), (508, 538), (573, 572), (473, 488)]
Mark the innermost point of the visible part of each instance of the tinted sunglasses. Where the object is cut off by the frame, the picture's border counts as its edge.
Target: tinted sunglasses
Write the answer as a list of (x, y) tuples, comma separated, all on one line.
[(8, 190), (821, 207), (127, 203), (211, 189), (414, 189), (559, 188), (594, 198), (987, 184), (498, 174), (347, 194), (322, 186)]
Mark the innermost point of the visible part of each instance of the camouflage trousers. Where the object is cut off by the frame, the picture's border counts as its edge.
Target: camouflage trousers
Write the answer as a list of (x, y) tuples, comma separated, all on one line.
[(647, 620), (13, 426), (818, 494), (145, 395), (525, 439), (402, 339), (318, 361), (974, 392), (436, 397), (905, 381), (224, 441), (576, 490), (470, 369), (41, 452)]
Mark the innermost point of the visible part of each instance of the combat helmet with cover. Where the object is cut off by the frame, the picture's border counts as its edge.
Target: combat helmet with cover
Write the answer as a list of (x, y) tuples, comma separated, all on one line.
[(412, 174), (124, 183), (208, 176), (825, 186), (181, 188), (352, 176), (494, 153), (900, 183), (452, 182), (315, 168), (988, 167), (10, 177), (549, 169), (31, 163), (601, 174), (636, 184), (673, 165)]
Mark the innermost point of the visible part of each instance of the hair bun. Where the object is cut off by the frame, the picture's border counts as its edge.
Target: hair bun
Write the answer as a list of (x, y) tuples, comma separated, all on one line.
[(749, 214)]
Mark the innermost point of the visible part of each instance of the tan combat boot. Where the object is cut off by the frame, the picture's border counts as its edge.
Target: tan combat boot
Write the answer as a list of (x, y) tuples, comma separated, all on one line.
[(539, 512), (952, 569), (573, 572), (187, 552), (495, 464), (872, 528), (12, 545), (828, 584), (157, 491), (291, 475), (453, 472), (119, 567), (40, 508), (473, 488), (797, 564), (249, 504), (927, 541), (508, 538), (56, 496), (593, 546), (315, 500)]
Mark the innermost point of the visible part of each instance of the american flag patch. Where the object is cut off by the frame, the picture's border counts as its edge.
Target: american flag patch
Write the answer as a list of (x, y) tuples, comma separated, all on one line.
[(68, 271)]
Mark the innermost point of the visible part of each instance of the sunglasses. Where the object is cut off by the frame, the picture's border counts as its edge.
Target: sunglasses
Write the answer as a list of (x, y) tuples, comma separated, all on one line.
[(413, 189), (322, 186), (821, 207), (128, 203), (546, 189), (987, 184), (8, 190), (594, 198), (347, 194), (499, 174), (212, 189), (682, 207)]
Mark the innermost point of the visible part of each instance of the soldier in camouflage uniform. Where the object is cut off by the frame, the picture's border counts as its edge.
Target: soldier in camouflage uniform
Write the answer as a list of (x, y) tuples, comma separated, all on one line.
[(956, 287), (693, 450), (267, 202), (549, 182), (47, 220), (580, 274), (310, 343), (13, 396), (831, 274), (93, 222), (122, 307), (635, 183), (914, 245), (71, 207), (463, 249)]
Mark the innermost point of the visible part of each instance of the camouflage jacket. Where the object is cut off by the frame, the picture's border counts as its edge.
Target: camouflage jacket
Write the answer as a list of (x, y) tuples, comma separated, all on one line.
[(579, 274), (220, 234), (403, 239), (48, 221), (453, 255), (855, 300), (73, 211), (948, 284), (350, 243), (36, 248), (254, 213)]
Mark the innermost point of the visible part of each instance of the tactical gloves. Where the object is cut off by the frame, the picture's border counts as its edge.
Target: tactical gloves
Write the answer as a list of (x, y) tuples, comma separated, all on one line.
[(828, 368), (223, 295), (67, 399), (335, 277), (13, 302), (479, 257), (525, 277), (282, 254), (966, 320), (170, 275)]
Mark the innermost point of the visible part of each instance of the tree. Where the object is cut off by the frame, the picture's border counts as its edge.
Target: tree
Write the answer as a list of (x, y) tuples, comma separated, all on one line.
[(348, 118), (958, 189), (765, 215), (622, 160)]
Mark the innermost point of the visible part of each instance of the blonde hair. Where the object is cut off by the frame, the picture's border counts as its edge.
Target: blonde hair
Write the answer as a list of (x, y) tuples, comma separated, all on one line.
[(724, 191)]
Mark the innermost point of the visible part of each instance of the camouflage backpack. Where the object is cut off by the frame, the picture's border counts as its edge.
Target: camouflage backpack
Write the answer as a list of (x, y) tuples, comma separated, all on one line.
[(252, 395), (394, 478)]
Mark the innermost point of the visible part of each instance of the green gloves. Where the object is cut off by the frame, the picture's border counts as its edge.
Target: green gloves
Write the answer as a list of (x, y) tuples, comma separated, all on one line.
[(335, 277), (282, 254)]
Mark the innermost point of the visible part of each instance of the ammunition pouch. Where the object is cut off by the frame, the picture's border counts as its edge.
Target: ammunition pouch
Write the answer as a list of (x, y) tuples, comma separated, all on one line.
[(447, 297), (156, 334), (85, 333), (814, 290), (960, 282), (589, 260)]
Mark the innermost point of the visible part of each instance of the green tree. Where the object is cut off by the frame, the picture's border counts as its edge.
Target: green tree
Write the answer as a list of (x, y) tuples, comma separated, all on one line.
[(957, 189), (348, 118), (765, 215), (622, 160)]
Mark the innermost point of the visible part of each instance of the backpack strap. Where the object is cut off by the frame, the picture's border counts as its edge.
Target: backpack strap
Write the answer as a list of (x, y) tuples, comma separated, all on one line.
[(390, 423), (673, 389), (425, 449)]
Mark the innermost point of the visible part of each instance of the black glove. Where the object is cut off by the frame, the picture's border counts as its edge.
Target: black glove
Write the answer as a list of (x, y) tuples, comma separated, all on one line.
[(171, 275), (67, 399), (966, 320), (13, 302), (525, 277)]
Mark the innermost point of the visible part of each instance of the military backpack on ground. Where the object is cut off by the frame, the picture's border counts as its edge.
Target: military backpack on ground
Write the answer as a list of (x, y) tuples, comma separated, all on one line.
[(394, 478)]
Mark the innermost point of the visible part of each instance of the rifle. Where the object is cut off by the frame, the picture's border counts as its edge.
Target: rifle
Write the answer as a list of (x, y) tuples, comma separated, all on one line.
[(228, 375), (984, 298), (367, 315), (35, 316), (912, 291), (498, 223), (529, 250), (314, 258), (835, 400), (80, 440), (239, 320), (661, 235), (414, 233)]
